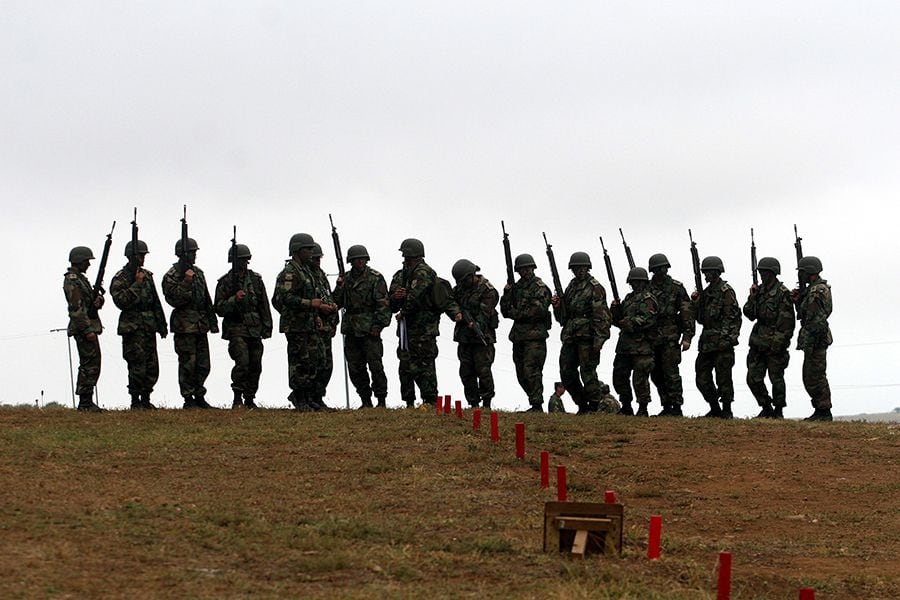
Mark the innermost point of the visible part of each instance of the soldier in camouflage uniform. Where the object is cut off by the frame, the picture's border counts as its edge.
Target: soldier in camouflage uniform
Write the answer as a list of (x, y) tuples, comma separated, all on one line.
[(418, 298), (608, 403), (676, 330), (134, 292), (813, 310), (585, 318), (243, 304), (773, 310), (363, 295), (555, 403), (298, 298), (527, 303), (84, 324), (636, 317), (328, 329), (718, 311), (185, 289), (476, 333)]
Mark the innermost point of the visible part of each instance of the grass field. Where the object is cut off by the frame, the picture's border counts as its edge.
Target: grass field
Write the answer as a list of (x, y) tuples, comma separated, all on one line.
[(211, 504)]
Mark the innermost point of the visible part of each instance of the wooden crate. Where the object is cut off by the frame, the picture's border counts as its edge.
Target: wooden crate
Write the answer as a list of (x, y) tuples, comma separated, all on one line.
[(583, 528)]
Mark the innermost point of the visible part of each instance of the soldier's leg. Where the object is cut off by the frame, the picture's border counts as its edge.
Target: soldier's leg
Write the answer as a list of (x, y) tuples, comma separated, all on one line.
[(671, 369), (151, 368), (534, 356), (374, 351), (239, 352), (518, 356), (621, 382), (203, 369), (355, 355), (326, 367), (467, 375), (133, 353), (254, 370), (815, 381), (703, 368), (756, 373), (642, 365), (88, 371), (404, 372), (568, 372), (588, 360), (657, 376), (724, 365), (301, 369), (777, 363), (423, 352), (184, 348), (484, 360)]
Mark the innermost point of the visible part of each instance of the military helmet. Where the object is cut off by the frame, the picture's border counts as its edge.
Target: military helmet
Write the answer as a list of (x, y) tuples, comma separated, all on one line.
[(242, 252), (637, 274), (580, 259), (142, 249), (412, 248), (524, 260), (810, 265), (712, 263), (767, 263), (300, 241), (357, 251), (657, 261), (80, 254), (191, 246), (463, 268), (317, 251)]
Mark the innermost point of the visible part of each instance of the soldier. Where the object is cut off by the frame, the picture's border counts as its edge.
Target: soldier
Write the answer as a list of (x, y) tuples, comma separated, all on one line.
[(243, 304), (362, 292), (476, 333), (676, 330), (585, 322), (418, 297), (636, 317), (555, 403), (297, 297), (142, 317), (84, 324), (813, 309), (184, 286), (717, 310), (773, 310), (608, 403), (527, 303), (327, 330)]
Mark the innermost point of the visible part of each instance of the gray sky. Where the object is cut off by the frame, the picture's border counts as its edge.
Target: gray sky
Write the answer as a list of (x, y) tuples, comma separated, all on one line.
[(437, 120)]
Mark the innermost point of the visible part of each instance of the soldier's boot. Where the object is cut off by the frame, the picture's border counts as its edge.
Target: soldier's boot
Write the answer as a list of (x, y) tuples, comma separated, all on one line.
[(297, 401), (410, 403), (86, 403), (382, 401), (366, 402), (534, 408), (626, 410), (136, 401), (766, 412), (189, 402), (675, 411), (820, 415), (642, 410), (238, 401), (726, 410), (487, 404), (714, 410), (145, 401), (200, 401), (778, 412), (249, 404), (666, 411), (318, 404)]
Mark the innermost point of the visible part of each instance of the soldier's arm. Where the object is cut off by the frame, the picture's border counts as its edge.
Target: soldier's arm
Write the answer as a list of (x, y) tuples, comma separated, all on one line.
[(818, 308), (265, 313), (225, 303), (750, 310), (506, 306), (644, 318), (396, 283), (124, 295), (178, 292), (418, 291), (601, 317), (79, 320), (785, 322), (685, 315), (382, 304), (211, 316), (731, 312)]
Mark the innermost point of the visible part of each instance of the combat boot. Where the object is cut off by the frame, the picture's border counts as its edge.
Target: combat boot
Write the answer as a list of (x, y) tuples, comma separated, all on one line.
[(366, 402), (136, 401), (642, 410), (766, 412), (487, 404), (145, 401), (820, 415), (200, 401), (626, 409), (382, 401), (249, 404), (86, 403), (238, 402), (714, 410), (726, 411), (666, 411), (675, 411), (535, 408), (777, 413), (189, 403), (318, 404), (410, 403)]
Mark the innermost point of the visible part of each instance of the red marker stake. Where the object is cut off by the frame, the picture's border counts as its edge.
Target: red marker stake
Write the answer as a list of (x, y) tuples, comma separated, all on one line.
[(807, 594), (655, 534), (520, 441), (448, 407), (610, 497), (495, 428), (439, 406), (724, 590), (459, 409), (545, 469), (561, 486), (476, 418)]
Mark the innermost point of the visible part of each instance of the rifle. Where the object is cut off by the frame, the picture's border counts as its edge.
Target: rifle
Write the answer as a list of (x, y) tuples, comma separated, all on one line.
[(753, 259), (507, 253), (609, 271), (557, 284), (184, 242), (337, 246), (695, 260), (475, 326), (101, 271), (627, 250), (134, 234), (798, 246), (233, 247)]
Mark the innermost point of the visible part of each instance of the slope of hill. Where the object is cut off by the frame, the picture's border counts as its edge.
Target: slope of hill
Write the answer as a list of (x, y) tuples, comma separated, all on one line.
[(411, 504)]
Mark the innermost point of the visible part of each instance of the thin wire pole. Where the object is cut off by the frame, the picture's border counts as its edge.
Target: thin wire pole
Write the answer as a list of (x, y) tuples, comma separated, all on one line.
[(71, 373)]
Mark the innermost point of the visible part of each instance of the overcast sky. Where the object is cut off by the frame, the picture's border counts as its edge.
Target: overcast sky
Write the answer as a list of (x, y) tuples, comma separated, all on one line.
[(437, 120)]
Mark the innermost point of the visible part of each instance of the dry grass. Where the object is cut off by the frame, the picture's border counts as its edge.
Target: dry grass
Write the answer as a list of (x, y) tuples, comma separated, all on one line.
[(413, 505)]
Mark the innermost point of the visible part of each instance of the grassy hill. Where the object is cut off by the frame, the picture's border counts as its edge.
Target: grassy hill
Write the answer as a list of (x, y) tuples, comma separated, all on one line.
[(414, 505)]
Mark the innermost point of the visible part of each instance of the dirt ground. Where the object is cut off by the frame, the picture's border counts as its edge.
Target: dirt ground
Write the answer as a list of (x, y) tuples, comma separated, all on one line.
[(414, 505)]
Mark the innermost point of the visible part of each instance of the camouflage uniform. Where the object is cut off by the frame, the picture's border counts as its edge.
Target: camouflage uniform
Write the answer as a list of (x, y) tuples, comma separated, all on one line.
[(555, 404), (718, 311), (364, 297), (636, 317), (245, 324), (527, 304), (295, 289), (327, 329), (479, 301), (83, 319), (192, 318), (421, 318), (770, 338), (608, 403), (814, 338), (585, 330), (141, 319), (676, 324)]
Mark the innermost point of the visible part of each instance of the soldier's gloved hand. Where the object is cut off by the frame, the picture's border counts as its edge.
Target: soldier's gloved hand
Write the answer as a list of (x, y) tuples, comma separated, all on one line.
[(326, 308), (399, 294), (319, 325), (91, 337), (554, 300), (189, 275), (458, 318), (240, 295), (339, 282), (685, 345), (507, 287), (98, 301), (139, 276), (753, 289), (795, 296), (695, 296), (375, 332), (315, 303)]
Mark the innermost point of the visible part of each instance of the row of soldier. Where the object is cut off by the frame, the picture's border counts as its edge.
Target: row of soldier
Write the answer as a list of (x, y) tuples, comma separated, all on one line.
[(656, 323)]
